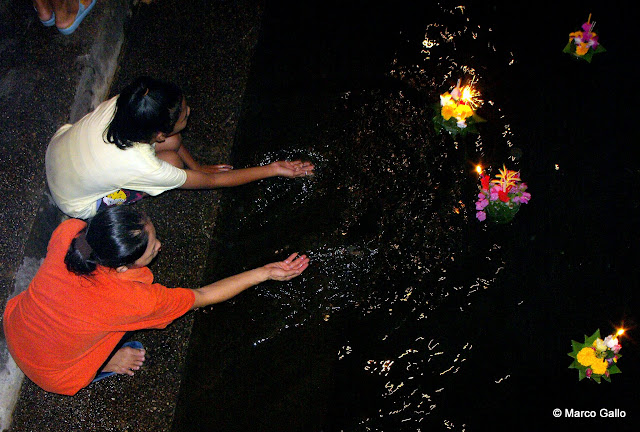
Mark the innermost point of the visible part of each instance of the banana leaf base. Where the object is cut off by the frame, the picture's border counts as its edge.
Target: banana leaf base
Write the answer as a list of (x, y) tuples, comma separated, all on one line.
[(500, 212)]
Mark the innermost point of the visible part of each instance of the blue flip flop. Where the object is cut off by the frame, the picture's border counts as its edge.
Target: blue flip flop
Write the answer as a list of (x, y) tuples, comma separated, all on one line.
[(50, 22), (82, 12), (103, 375)]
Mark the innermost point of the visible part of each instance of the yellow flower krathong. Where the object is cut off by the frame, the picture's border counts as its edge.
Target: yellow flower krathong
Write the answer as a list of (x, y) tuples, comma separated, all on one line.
[(596, 358), (456, 111), (583, 44)]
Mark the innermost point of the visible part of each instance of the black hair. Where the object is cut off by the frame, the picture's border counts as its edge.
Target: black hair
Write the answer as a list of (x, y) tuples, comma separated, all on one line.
[(115, 237), (144, 107)]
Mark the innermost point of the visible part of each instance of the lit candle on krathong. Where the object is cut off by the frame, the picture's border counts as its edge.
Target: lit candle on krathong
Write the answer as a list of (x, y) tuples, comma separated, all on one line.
[(479, 169), (466, 95), (620, 331), (584, 43)]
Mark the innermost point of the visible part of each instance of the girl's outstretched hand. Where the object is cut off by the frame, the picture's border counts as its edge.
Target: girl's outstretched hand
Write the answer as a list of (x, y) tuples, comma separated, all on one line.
[(287, 269), (293, 168)]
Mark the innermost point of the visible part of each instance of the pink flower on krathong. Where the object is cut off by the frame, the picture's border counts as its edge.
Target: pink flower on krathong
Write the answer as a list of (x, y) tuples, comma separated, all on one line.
[(589, 37), (611, 341), (588, 372), (616, 349), (481, 215), (481, 204), (524, 199), (493, 194)]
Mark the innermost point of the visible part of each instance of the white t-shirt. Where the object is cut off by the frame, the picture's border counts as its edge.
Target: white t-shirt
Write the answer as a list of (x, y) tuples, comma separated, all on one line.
[(82, 167)]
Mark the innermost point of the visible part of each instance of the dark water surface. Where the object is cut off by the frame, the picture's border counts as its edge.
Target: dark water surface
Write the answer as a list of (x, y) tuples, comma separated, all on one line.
[(413, 315)]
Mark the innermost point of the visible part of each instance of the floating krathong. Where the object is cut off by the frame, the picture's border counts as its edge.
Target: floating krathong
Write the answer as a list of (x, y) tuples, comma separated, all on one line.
[(456, 112), (584, 43), (500, 198), (597, 358)]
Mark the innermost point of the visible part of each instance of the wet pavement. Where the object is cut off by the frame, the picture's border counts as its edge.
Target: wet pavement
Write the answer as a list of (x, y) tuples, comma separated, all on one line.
[(46, 80)]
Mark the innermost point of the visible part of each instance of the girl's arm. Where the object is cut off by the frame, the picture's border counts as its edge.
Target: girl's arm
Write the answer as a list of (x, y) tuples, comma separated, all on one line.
[(189, 162), (229, 287), (187, 159), (208, 180)]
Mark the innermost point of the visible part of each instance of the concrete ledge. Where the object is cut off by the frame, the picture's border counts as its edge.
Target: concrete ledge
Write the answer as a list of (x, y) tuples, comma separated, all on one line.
[(98, 66), (102, 61), (10, 375)]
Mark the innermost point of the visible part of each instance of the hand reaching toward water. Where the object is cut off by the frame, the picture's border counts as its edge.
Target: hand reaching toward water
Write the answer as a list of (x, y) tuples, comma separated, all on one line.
[(293, 169), (233, 285), (215, 176), (289, 268)]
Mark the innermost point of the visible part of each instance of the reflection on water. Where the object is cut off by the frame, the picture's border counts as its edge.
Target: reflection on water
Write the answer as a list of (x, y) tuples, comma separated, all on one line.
[(387, 216), (398, 290), (389, 225)]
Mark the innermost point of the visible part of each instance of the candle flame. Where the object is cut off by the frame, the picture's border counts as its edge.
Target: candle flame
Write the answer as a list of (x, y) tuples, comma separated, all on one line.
[(466, 93), (479, 169), (620, 332)]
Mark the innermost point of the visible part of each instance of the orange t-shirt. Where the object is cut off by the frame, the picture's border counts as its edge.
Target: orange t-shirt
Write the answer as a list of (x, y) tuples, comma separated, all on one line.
[(64, 326)]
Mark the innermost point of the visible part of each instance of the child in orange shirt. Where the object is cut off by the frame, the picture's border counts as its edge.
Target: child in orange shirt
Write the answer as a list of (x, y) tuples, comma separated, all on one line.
[(94, 285)]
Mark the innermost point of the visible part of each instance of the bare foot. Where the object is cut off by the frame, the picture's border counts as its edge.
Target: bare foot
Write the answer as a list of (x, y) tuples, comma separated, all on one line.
[(125, 361)]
